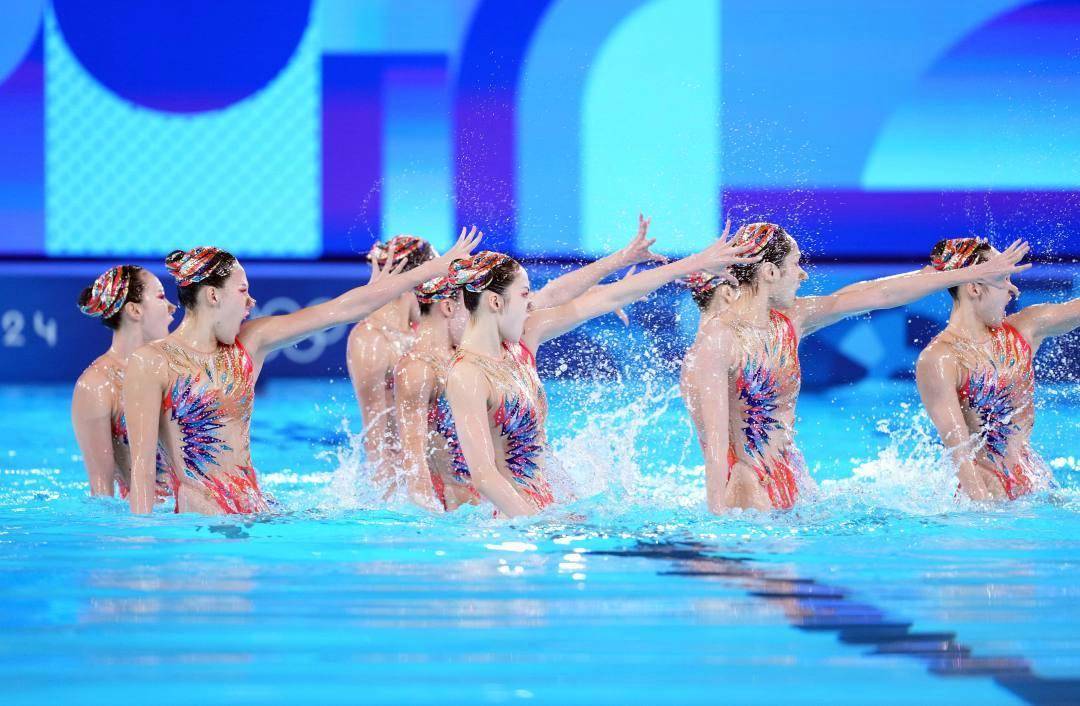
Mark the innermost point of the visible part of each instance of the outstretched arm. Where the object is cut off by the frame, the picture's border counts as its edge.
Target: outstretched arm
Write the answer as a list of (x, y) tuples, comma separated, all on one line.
[(144, 387), (547, 324), (936, 377), (813, 313), (573, 284), (266, 334), (707, 378), (91, 418), (468, 393), (413, 385), (1042, 321)]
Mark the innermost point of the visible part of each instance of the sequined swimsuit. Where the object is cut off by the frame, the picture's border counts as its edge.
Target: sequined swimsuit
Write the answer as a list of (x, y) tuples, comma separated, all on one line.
[(121, 448), (996, 391), (764, 389), (206, 415), (449, 474), (518, 420)]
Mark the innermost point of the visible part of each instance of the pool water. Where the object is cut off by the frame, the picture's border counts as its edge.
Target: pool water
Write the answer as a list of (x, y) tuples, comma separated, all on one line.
[(881, 590)]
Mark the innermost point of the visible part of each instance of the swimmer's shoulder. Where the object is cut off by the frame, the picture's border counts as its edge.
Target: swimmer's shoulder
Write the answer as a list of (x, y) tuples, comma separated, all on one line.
[(937, 361), (97, 386), (149, 359)]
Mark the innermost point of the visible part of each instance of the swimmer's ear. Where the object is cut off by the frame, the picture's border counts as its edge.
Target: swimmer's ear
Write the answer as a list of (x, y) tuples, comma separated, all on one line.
[(494, 301), (769, 270), (211, 294), (446, 306), (133, 310)]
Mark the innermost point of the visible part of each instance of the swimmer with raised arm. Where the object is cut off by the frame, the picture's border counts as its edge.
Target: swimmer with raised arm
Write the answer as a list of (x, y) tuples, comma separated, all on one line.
[(741, 378), (433, 469), (495, 396), (195, 388), (129, 301), (976, 377), (375, 346)]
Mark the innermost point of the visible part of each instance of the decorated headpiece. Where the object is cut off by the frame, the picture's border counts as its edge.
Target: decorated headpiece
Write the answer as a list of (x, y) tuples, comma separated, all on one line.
[(108, 294), (401, 245), (475, 273), (756, 235), (957, 253), (192, 266), (703, 282), (436, 289)]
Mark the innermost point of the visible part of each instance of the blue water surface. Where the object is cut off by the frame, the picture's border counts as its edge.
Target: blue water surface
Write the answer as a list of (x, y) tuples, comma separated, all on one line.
[(881, 590)]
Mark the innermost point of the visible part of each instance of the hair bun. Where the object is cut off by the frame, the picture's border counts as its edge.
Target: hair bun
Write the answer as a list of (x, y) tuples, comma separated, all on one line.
[(474, 273)]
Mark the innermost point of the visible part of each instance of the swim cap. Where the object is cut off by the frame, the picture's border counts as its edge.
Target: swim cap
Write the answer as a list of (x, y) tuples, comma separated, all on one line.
[(401, 245), (703, 282), (192, 266), (756, 235), (474, 273), (108, 294), (436, 289), (957, 253)]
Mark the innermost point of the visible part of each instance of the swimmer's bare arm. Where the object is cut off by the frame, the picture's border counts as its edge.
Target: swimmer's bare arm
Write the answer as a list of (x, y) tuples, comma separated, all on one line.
[(937, 377), (91, 415), (144, 387), (573, 284), (549, 323), (469, 395), (266, 334), (811, 314), (708, 378), (414, 386), (1042, 321)]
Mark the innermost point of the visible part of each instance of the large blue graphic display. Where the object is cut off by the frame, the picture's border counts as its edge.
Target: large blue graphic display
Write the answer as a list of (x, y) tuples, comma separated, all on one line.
[(309, 128)]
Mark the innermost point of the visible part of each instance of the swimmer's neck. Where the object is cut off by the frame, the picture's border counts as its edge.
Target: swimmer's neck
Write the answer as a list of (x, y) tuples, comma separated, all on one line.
[(397, 314), (197, 334), (433, 335), (751, 307), (483, 337), (963, 321), (125, 340)]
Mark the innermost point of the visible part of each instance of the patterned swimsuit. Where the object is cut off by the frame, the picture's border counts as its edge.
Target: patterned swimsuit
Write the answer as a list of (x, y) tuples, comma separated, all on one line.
[(209, 400), (518, 418), (765, 388), (996, 391)]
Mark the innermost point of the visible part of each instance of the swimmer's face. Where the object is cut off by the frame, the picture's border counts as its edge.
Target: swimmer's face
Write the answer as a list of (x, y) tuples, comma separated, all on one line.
[(155, 310), (233, 304), (789, 277), (456, 317), (514, 305), (990, 299)]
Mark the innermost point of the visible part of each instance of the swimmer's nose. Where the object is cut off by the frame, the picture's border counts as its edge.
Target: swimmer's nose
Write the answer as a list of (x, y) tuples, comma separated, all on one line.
[(802, 275), (172, 307)]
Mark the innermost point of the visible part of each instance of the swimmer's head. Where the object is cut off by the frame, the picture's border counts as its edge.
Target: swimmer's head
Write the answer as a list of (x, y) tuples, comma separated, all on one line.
[(441, 297), (412, 250), (779, 266), (129, 295), (707, 288), (496, 285), (988, 301), (212, 282)]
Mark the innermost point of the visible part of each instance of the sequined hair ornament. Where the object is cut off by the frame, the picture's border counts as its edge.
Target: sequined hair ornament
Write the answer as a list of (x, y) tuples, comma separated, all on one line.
[(436, 289), (703, 282), (192, 266), (475, 273), (756, 235), (108, 294), (957, 253), (401, 245)]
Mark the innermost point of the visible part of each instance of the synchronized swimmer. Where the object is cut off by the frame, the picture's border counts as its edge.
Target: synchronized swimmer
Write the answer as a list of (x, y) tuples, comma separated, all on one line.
[(443, 362)]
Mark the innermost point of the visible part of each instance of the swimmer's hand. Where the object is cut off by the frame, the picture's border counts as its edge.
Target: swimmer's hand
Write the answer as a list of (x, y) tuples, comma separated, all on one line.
[(379, 273), (723, 253), (999, 267), (464, 246), (639, 250)]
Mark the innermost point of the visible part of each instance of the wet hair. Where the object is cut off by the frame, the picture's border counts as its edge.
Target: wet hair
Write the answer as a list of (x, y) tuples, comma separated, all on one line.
[(704, 297), (416, 251), (213, 272), (981, 253), (499, 278), (775, 250), (132, 276)]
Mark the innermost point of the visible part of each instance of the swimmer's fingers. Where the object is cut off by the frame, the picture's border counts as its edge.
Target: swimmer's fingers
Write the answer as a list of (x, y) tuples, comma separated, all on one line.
[(466, 243), (727, 230)]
